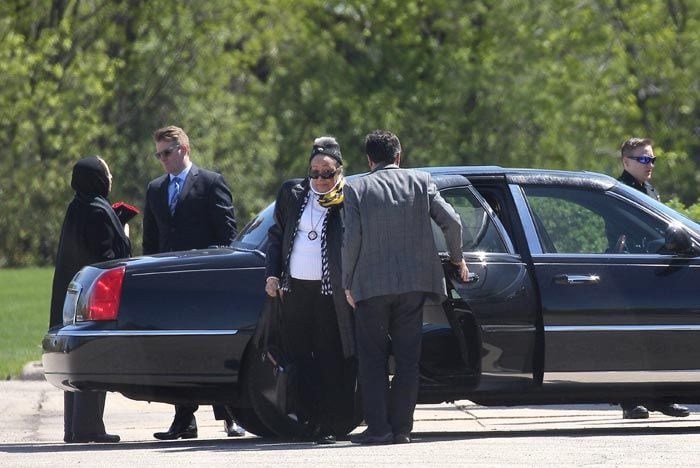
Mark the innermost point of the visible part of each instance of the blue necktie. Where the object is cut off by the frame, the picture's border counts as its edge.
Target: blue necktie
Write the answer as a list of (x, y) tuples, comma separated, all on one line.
[(176, 194)]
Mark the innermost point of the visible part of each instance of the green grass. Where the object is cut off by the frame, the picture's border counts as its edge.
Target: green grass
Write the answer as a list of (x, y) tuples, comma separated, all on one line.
[(25, 295)]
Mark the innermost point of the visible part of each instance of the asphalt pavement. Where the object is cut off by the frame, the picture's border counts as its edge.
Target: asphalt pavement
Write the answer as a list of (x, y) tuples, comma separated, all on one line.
[(460, 433)]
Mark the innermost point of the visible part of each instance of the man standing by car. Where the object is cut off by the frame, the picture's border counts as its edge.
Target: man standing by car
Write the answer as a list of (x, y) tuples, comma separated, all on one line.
[(390, 265), (638, 164), (186, 208)]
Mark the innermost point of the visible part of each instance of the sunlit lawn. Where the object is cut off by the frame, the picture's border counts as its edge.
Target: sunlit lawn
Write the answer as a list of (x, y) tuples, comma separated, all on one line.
[(25, 295)]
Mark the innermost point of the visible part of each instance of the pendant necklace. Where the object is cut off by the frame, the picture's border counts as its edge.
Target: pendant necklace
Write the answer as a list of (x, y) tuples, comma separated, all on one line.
[(313, 235)]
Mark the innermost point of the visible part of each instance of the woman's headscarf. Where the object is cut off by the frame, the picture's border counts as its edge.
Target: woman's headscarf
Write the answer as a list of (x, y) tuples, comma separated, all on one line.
[(90, 177)]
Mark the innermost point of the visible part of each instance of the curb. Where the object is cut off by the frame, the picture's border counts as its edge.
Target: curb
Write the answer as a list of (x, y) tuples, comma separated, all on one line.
[(32, 371)]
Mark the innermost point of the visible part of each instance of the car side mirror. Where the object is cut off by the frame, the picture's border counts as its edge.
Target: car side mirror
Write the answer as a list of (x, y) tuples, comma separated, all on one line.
[(678, 240)]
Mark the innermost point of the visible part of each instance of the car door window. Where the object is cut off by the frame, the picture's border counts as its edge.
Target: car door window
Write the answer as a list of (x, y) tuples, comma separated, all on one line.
[(579, 221), (479, 232)]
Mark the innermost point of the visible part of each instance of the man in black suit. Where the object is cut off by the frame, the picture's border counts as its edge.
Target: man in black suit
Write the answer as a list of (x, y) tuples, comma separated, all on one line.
[(186, 208), (638, 164)]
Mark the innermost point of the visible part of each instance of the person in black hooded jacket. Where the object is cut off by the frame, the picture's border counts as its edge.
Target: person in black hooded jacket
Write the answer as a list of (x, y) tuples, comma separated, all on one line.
[(91, 233)]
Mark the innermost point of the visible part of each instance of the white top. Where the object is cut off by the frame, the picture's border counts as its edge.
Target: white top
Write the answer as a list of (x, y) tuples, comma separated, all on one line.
[(305, 261)]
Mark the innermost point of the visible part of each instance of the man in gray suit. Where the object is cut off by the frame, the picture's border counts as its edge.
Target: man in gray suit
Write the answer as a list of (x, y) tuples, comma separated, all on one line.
[(390, 265)]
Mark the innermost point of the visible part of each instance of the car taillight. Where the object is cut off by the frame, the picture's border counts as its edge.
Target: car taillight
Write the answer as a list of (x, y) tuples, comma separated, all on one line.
[(103, 303)]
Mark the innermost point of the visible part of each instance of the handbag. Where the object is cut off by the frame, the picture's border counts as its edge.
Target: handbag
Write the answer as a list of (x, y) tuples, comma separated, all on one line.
[(277, 377)]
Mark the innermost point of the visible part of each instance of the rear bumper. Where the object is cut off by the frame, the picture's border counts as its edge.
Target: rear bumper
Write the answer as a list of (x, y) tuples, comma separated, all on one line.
[(172, 366)]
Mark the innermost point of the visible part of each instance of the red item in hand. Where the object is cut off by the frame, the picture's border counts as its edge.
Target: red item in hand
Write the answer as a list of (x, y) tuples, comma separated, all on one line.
[(125, 212)]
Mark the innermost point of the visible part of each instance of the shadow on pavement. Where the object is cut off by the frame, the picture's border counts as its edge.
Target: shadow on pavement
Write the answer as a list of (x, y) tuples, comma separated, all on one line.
[(259, 444), (170, 446), (627, 430)]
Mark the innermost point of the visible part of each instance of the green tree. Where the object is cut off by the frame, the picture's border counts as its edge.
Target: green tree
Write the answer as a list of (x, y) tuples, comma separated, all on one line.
[(556, 84)]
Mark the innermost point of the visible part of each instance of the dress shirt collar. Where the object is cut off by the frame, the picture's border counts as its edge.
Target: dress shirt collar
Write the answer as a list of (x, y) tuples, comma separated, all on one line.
[(182, 175), (382, 166)]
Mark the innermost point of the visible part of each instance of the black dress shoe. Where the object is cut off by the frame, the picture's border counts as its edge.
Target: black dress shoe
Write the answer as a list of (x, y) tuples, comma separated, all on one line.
[(402, 438), (101, 438), (232, 429), (328, 439), (366, 438), (637, 412), (672, 409), (179, 431)]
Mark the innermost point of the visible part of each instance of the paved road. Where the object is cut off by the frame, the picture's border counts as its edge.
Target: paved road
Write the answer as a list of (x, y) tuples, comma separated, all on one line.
[(461, 434)]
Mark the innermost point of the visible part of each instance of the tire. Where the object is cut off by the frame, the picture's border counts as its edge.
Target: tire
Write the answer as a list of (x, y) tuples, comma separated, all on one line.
[(248, 420), (350, 412), (246, 416), (347, 418), (277, 423)]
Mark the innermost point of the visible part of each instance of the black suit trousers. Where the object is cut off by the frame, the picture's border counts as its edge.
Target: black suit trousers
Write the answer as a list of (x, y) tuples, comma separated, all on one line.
[(82, 413), (389, 407), (185, 413)]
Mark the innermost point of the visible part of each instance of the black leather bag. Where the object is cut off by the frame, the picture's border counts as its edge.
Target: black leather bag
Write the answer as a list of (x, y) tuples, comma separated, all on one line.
[(277, 377)]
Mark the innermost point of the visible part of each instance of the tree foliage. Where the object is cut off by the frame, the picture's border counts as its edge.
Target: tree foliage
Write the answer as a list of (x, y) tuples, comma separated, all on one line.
[(556, 84)]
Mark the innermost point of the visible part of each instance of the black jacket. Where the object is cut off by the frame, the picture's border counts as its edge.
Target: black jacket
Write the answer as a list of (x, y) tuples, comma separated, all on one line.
[(289, 200), (91, 233), (646, 187), (204, 215)]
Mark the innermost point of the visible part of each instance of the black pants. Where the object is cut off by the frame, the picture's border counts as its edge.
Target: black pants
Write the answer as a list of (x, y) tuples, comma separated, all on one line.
[(389, 408), (184, 413), (311, 324), (82, 413)]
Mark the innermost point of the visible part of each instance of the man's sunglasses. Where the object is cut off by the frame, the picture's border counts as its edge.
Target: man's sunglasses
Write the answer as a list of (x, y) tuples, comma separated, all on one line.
[(323, 175), (643, 159), (166, 152)]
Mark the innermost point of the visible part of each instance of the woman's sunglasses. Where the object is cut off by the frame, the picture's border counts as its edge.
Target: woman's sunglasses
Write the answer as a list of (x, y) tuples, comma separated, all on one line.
[(643, 159), (323, 175)]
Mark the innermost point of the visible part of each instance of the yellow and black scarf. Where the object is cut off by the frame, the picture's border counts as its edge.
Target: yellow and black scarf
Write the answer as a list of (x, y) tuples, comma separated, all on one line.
[(335, 196)]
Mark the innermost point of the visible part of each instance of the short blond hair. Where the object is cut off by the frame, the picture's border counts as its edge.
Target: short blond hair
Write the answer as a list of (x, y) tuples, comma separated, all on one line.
[(632, 144), (171, 133)]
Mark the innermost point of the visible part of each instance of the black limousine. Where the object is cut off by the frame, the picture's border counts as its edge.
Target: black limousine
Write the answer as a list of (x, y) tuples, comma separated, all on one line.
[(583, 290)]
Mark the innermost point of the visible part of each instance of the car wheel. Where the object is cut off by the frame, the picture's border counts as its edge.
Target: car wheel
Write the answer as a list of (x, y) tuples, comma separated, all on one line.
[(248, 419), (350, 412), (348, 409), (255, 377)]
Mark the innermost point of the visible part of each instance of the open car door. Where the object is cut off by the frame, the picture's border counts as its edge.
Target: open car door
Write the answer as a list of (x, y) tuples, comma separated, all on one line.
[(492, 318)]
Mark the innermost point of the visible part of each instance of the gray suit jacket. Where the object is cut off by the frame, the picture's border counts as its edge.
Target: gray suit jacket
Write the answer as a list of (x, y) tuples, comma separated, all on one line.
[(388, 245)]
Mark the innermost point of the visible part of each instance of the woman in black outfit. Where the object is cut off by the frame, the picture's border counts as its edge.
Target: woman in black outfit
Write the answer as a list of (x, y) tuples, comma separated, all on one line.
[(303, 266), (91, 233)]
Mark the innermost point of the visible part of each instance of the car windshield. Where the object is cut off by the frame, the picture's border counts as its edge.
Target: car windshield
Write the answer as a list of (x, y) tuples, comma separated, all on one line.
[(668, 211), (254, 234)]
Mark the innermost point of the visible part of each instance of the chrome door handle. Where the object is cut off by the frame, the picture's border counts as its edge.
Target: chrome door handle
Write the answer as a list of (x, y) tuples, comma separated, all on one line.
[(471, 278), (577, 279)]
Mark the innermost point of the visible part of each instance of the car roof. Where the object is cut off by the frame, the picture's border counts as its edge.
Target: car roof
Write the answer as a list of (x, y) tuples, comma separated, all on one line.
[(526, 176)]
